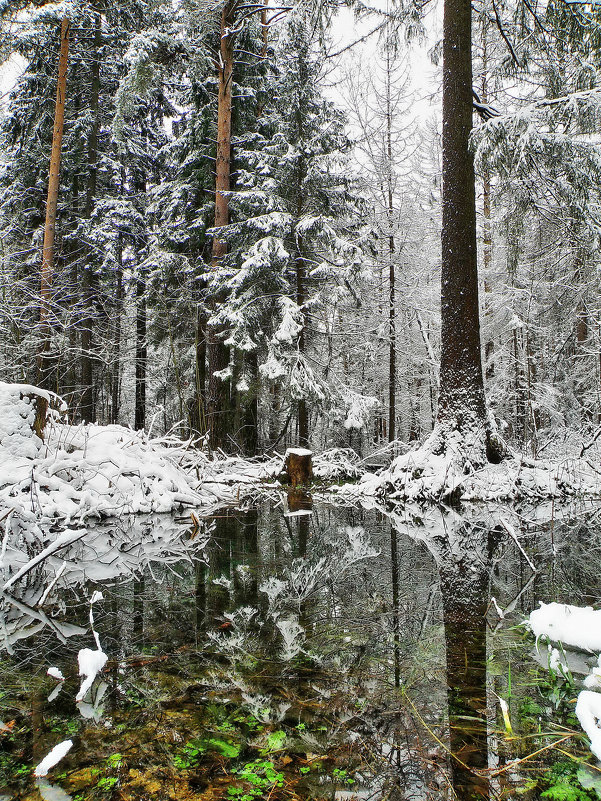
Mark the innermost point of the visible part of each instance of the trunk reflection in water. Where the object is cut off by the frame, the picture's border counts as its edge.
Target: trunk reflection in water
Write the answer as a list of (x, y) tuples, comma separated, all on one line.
[(464, 583), (314, 654)]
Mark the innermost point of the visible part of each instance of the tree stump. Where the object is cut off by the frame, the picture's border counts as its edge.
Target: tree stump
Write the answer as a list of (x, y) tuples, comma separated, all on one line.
[(40, 404), (298, 466)]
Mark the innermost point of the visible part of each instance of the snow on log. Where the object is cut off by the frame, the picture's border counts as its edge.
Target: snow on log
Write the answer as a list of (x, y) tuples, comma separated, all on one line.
[(573, 626), (298, 466), (53, 758)]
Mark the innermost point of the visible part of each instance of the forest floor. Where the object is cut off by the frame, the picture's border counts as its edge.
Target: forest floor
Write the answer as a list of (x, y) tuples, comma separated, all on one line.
[(421, 475)]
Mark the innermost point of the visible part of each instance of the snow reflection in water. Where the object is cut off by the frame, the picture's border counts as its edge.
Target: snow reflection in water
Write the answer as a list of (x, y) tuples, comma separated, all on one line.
[(348, 653)]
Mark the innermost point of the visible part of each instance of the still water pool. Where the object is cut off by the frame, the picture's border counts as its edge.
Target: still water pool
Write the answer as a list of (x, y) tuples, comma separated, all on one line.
[(342, 654)]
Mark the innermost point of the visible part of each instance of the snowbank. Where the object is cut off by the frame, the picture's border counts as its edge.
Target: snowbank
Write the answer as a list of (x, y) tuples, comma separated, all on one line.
[(423, 476), (78, 472), (99, 471), (337, 463)]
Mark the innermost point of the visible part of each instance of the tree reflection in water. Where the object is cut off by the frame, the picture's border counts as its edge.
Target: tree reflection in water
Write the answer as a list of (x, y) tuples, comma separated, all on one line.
[(462, 548), (359, 637), (464, 583)]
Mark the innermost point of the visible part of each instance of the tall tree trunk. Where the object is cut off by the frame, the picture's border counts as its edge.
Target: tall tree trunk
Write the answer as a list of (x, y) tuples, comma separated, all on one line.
[(391, 265), (141, 359), (582, 384), (391, 345), (264, 47), (116, 366), (197, 413), (87, 325), (264, 29), (117, 312), (519, 386), (250, 421), (217, 352), (141, 350), (70, 388), (301, 277), (489, 347), (461, 403), (51, 206)]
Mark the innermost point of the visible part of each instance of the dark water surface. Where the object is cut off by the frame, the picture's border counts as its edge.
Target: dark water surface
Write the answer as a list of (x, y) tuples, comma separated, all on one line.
[(345, 653)]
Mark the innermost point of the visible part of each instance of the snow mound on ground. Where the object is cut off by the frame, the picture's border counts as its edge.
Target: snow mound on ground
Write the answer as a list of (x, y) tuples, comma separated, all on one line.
[(337, 463), (239, 471), (424, 476), (99, 471), (94, 471)]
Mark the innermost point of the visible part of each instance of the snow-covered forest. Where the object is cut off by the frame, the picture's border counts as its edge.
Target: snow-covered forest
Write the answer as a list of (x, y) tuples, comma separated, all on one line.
[(300, 400), (246, 245)]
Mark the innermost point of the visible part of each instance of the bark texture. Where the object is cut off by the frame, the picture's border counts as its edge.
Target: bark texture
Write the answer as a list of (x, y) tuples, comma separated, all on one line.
[(461, 404), (217, 353), (51, 208), (298, 465), (461, 382)]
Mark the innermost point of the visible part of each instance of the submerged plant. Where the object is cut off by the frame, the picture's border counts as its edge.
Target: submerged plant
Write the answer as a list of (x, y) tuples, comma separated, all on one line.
[(191, 753), (259, 777)]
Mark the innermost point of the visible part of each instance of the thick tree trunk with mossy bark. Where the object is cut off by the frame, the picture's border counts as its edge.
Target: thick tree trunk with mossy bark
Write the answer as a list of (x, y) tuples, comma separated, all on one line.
[(461, 405)]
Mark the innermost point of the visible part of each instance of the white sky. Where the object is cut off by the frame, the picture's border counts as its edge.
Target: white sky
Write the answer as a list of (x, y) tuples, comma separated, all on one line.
[(425, 77), (10, 72), (345, 30)]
